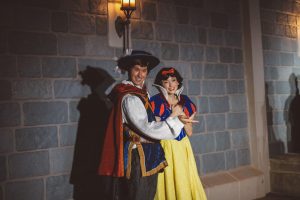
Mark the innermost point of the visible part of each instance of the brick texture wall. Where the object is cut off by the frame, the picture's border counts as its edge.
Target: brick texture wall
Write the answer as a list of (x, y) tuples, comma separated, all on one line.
[(51, 115), (280, 29)]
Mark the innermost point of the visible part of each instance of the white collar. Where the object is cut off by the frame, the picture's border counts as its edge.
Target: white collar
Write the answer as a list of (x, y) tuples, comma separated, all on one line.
[(165, 93)]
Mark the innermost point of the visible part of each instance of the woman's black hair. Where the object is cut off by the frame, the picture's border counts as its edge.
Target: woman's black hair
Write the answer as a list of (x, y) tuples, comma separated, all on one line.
[(167, 72)]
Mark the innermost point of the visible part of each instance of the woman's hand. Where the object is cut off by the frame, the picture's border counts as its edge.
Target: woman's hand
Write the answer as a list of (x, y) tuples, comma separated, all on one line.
[(184, 119), (176, 111)]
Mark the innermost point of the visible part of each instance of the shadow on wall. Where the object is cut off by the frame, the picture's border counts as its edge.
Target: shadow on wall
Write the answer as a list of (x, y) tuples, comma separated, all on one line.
[(292, 115), (276, 146), (94, 112)]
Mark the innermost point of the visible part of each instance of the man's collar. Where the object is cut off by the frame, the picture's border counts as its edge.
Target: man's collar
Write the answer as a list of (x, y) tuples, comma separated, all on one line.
[(131, 83)]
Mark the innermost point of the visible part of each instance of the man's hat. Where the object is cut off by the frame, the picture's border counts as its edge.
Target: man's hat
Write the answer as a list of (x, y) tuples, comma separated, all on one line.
[(126, 62)]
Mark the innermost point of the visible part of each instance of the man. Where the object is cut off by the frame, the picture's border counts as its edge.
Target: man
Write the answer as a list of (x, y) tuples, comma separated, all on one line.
[(131, 144)]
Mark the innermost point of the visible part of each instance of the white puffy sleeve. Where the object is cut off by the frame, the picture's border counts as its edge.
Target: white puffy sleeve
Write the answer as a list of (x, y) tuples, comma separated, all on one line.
[(135, 114)]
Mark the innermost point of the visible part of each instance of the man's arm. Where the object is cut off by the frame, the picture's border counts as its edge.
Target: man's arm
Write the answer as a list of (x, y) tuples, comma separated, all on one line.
[(134, 113)]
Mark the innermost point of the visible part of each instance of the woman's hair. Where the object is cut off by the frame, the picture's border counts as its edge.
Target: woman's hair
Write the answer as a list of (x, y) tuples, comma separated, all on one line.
[(167, 72)]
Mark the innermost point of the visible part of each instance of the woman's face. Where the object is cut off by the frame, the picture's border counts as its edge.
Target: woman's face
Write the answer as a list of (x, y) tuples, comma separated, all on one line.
[(170, 84)]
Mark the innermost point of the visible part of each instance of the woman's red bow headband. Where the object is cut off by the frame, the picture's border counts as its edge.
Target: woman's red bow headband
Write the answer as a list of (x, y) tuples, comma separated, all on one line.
[(166, 72)]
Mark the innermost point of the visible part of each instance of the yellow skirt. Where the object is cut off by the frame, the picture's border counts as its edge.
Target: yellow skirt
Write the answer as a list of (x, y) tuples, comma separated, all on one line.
[(180, 179)]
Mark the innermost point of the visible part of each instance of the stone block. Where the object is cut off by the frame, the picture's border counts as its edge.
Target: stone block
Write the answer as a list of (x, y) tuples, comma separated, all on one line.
[(186, 34), (191, 53), (32, 89), (83, 24), (54, 4), (215, 37), (32, 43), (279, 30), (199, 127), (288, 44), (212, 54), (70, 89), (26, 19), (240, 138), (3, 41), (215, 71), (36, 113), (233, 38), (218, 104), (199, 17), (219, 20), (182, 15), (286, 59), (152, 47), (164, 32), (101, 25), (267, 28), (197, 70), (71, 45), (282, 87), (203, 143), (6, 90), (203, 105), (78, 5), (36, 138), (61, 160), (238, 103), (268, 15), (236, 71), (226, 55), (169, 51), (10, 114), (58, 187), (142, 30), (106, 65), (67, 135), (56, 67), (213, 87), (25, 190), (3, 169), (73, 111), (202, 36), (230, 158), (94, 49), (10, 69), (235, 87), (237, 120), (222, 141), (278, 118), (29, 66), (238, 55), (194, 87), (149, 11), (28, 164), (271, 58), (59, 22), (243, 157), (166, 12), (215, 122), (234, 22), (6, 140), (271, 43), (98, 6), (213, 162)]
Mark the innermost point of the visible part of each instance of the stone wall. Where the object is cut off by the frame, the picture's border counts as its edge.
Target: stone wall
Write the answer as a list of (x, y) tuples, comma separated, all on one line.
[(280, 29), (49, 110)]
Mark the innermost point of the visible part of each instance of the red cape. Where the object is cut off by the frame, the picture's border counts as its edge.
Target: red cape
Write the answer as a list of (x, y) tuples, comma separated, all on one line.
[(112, 160)]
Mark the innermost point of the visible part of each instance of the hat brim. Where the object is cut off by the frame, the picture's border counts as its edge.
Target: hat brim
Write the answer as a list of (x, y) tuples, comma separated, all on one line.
[(125, 63)]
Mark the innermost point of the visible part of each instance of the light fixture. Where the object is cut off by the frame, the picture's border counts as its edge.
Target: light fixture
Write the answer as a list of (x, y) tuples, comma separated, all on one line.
[(122, 25)]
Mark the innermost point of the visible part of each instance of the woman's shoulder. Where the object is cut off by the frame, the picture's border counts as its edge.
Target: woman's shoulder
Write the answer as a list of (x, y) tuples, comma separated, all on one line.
[(156, 98)]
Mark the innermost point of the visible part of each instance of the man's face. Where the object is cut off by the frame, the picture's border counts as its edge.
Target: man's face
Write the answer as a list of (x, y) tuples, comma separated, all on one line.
[(138, 74)]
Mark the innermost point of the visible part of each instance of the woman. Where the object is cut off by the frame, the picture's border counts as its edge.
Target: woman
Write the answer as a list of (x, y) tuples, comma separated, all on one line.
[(180, 180)]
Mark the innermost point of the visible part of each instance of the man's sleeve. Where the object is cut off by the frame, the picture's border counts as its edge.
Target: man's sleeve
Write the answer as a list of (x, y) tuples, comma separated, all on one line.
[(134, 113)]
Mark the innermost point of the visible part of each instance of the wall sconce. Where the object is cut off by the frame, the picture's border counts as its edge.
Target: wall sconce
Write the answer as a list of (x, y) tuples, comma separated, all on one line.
[(122, 25)]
